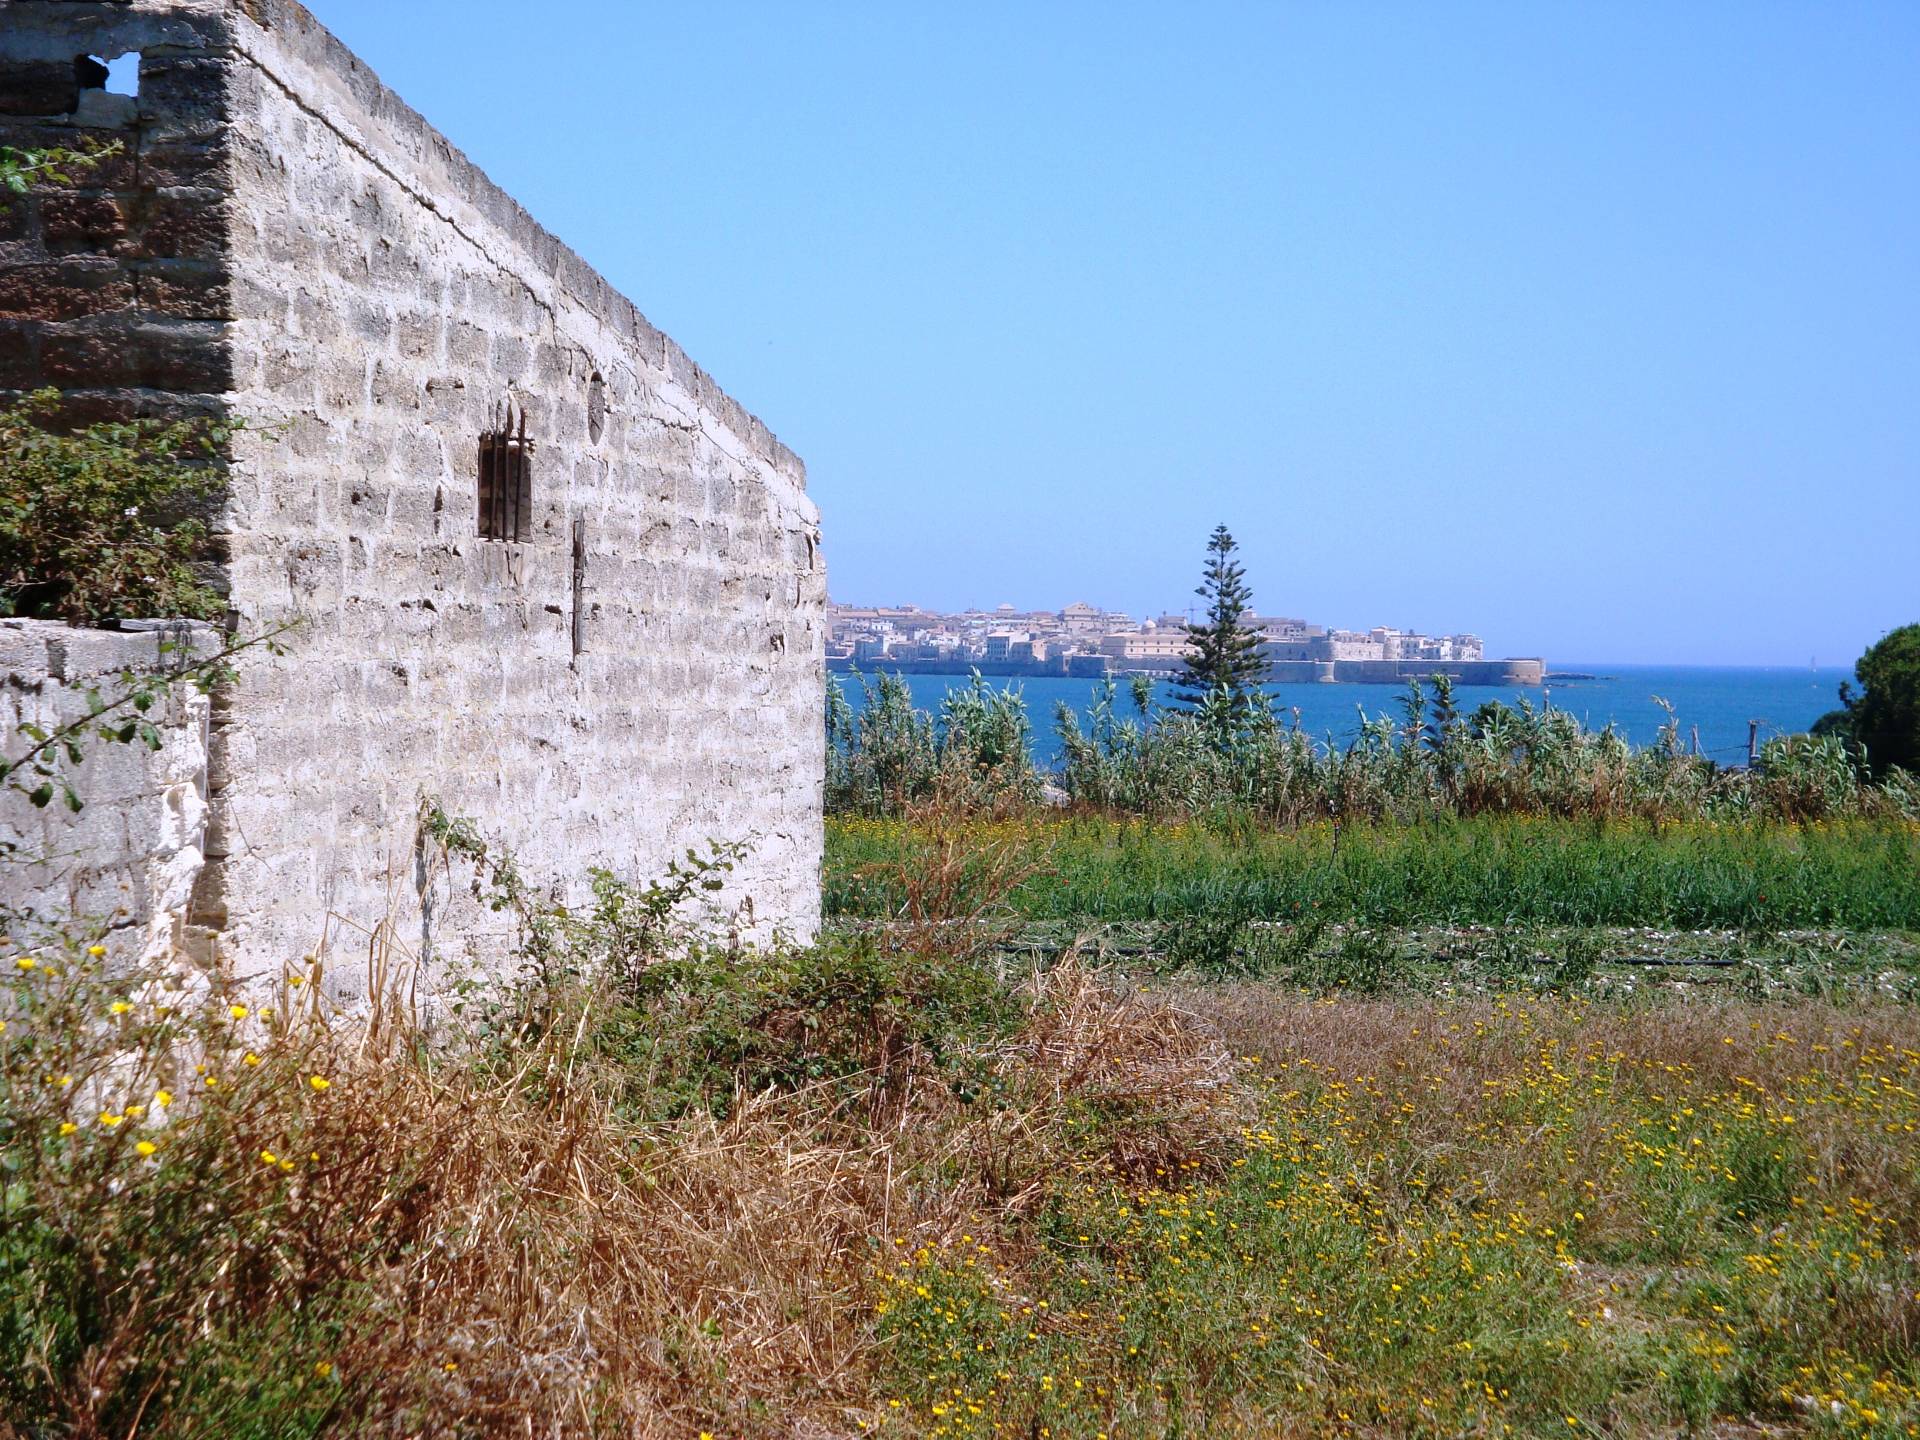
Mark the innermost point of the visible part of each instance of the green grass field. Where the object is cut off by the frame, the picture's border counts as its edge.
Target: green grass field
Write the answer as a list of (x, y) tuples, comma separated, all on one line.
[(1853, 876)]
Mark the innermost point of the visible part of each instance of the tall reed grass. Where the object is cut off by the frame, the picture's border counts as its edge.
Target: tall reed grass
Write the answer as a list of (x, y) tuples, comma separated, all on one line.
[(1434, 762)]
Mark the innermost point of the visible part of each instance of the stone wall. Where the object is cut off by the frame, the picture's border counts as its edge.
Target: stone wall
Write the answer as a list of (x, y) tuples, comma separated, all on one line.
[(130, 856), (115, 289), (644, 672)]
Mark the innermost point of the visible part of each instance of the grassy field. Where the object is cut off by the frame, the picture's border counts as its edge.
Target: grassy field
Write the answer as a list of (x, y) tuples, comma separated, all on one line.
[(928, 1178), (1442, 1219), (1848, 876)]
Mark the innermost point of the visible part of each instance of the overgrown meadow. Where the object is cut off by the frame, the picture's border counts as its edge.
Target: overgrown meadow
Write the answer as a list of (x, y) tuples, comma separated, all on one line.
[(930, 1177), (1415, 1118)]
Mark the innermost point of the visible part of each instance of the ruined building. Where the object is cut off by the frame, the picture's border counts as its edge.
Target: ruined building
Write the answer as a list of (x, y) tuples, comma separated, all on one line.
[(546, 572)]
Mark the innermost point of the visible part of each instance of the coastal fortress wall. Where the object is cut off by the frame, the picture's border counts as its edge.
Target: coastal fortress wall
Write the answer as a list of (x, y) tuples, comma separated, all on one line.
[(1398, 672), (637, 669)]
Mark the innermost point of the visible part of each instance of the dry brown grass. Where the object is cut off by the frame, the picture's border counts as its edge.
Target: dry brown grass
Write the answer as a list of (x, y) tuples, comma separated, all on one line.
[(591, 1280), (1468, 1040), (450, 1240)]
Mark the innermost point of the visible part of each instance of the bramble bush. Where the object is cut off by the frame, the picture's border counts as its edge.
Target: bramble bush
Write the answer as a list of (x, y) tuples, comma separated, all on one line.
[(109, 521)]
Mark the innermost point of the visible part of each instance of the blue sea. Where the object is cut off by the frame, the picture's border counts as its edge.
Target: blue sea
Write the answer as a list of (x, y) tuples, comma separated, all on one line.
[(1719, 700)]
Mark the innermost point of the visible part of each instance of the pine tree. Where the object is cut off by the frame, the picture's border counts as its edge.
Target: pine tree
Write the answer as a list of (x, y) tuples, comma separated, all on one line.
[(1223, 652)]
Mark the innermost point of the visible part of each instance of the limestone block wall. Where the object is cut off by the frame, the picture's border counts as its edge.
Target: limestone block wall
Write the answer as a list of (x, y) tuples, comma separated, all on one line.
[(129, 858), (642, 672)]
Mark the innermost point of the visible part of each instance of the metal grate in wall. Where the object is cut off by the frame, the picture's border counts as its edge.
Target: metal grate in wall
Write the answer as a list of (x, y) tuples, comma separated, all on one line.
[(505, 490)]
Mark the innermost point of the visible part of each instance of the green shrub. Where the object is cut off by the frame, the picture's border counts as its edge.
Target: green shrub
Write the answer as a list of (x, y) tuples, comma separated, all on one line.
[(978, 752), (108, 521), (1236, 756)]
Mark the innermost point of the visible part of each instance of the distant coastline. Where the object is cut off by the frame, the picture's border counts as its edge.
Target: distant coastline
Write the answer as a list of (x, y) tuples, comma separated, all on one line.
[(1084, 642), (1523, 672)]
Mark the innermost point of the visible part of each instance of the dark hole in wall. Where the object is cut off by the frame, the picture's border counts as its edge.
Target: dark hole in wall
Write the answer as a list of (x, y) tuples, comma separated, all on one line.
[(47, 87), (596, 407), (578, 625)]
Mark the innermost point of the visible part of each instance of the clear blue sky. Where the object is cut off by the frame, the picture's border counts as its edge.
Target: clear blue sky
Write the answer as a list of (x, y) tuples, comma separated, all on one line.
[(1592, 328)]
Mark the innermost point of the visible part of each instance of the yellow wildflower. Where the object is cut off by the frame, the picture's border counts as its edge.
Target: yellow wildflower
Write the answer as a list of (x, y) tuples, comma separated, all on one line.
[(120, 1007), (67, 1127), (25, 962), (146, 1147), (96, 951), (163, 1097), (318, 1082), (109, 1119), (238, 1012)]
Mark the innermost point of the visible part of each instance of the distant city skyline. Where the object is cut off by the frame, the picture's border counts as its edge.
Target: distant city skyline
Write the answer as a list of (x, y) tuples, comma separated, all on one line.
[(1084, 641), (1494, 644), (1590, 326)]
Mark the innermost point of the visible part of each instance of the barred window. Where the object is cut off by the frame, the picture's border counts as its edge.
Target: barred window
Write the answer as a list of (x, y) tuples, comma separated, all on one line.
[(505, 489)]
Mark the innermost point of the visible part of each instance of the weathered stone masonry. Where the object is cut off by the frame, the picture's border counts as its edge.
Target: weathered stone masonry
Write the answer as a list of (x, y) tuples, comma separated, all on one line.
[(283, 238)]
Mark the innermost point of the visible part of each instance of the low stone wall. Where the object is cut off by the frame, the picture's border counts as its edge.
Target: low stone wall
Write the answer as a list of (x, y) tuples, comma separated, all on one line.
[(129, 857)]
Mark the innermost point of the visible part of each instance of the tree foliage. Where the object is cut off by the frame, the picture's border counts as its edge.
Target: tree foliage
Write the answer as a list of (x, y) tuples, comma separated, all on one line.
[(21, 170), (1223, 656), (1883, 715)]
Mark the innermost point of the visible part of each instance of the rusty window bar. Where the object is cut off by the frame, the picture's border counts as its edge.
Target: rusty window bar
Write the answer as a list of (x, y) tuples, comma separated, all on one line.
[(505, 481)]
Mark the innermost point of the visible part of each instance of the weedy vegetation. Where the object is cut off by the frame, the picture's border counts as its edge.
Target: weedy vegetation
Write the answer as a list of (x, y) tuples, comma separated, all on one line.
[(924, 1178), (1540, 1088), (1230, 755)]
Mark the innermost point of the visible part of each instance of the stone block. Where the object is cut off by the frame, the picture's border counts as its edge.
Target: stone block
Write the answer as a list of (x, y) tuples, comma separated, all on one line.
[(185, 289), (178, 356), (184, 85), (20, 355), (187, 224), (79, 220), (186, 162), (64, 289)]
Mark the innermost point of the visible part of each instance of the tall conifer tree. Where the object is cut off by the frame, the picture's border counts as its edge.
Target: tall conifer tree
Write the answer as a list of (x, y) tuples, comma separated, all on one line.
[(1224, 650)]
